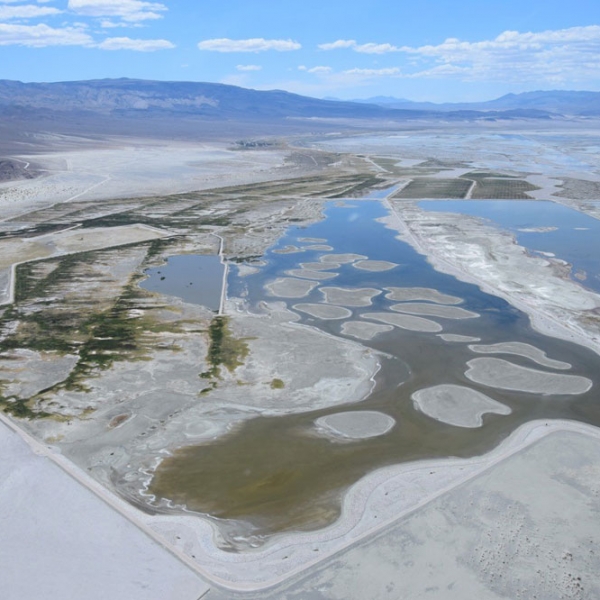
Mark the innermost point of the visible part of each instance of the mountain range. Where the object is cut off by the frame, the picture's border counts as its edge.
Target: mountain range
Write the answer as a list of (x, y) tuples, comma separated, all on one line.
[(214, 100), (193, 110)]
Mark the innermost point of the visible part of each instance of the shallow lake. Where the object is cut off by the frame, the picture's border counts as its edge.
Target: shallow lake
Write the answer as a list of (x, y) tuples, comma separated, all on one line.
[(272, 474)]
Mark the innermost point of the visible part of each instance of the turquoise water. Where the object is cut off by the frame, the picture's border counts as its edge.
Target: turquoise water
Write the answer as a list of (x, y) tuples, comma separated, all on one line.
[(575, 237)]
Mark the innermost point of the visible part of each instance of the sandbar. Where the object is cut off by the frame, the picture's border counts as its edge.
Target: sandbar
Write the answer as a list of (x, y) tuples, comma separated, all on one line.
[(455, 337), (244, 270), (402, 294), (319, 266), (498, 373), (374, 265), (434, 310), (350, 296), (312, 240), (310, 274), (364, 330), (324, 311), (405, 321), (288, 250), (322, 247), (356, 425), (521, 349), (457, 405), (342, 259), (289, 287)]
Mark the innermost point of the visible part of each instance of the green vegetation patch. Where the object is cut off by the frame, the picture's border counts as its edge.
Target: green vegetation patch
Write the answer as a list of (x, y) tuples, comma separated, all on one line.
[(53, 315), (224, 349), (503, 189), (277, 384), (428, 187)]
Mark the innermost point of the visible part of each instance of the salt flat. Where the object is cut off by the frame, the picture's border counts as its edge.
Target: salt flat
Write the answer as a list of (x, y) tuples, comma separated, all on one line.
[(52, 546)]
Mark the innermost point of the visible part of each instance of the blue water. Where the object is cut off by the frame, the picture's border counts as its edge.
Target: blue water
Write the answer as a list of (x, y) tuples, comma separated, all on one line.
[(575, 240), (354, 229), (191, 277)]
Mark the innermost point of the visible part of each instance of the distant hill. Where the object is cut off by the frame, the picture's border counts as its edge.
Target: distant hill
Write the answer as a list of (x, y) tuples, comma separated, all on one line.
[(556, 102), (212, 100)]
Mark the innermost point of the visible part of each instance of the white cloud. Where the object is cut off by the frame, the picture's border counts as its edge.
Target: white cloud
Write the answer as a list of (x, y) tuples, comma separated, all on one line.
[(374, 72), (125, 43), (547, 57), (251, 45), (369, 48), (128, 10), (108, 24), (249, 68), (553, 56), (337, 45), (40, 36), (315, 70), (26, 11)]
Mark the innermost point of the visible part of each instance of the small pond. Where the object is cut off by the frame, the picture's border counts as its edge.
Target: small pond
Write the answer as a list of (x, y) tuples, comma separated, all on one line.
[(192, 277)]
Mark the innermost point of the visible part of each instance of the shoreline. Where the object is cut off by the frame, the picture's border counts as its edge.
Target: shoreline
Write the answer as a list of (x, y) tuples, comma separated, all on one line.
[(541, 322), (380, 499)]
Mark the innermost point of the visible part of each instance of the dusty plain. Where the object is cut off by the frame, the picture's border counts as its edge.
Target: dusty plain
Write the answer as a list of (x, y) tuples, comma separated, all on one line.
[(106, 379)]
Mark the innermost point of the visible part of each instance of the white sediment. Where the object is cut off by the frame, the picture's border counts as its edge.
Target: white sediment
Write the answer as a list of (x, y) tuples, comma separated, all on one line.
[(402, 294), (455, 337), (501, 374), (320, 266), (434, 310), (355, 425), (324, 311), (364, 330), (521, 349), (342, 259), (312, 240), (457, 405), (374, 265), (290, 287), (321, 247), (405, 321), (311, 274), (478, 253), (349, 296), (290, 249)]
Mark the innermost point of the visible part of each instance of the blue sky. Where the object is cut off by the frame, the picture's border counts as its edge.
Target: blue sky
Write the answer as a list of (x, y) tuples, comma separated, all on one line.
[(438, 50)]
